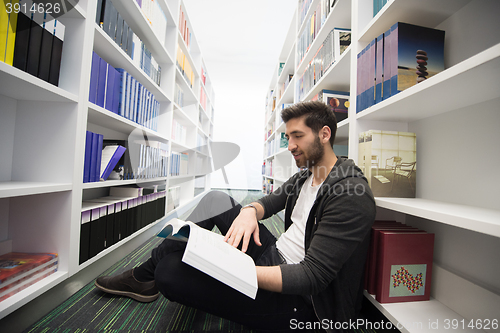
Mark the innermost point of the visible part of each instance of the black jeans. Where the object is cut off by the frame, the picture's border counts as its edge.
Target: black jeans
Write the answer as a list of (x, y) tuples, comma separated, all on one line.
[(181, 283)]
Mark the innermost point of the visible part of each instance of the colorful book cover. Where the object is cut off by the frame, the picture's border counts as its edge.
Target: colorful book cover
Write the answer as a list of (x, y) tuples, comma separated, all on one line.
[(379, 69), (338, 101), (417, 54), (405, 269), (15, 264)]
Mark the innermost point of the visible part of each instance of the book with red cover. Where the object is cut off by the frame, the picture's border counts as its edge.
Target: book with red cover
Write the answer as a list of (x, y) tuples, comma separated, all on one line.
[(374, 265), (405, 267), (14, 264)]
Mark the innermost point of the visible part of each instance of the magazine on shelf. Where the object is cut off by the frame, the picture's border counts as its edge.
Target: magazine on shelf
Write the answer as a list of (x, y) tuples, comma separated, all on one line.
[(207, 252)]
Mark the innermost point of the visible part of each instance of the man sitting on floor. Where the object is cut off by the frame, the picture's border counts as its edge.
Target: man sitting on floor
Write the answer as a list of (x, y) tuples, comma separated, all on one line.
[(311, 274)]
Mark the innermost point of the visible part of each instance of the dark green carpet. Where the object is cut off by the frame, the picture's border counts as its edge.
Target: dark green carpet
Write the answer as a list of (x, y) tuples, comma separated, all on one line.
[(90, 310)]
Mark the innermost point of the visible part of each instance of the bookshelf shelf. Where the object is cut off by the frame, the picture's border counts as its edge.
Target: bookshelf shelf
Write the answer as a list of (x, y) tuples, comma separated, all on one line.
[(108, 119), (17, 188), (43, 132), (13, 303), (413, 317), (477, 219), (20, 82), (442, 90), (107, 49)]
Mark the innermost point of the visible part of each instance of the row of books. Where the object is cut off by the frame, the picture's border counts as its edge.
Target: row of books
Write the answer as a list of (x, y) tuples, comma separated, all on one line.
[(30, 40), (106, 221), (203, 98), (325, 8), (399, 263), (113, 24), (20, 270), (338, 101), (119, 92), (397, 59), (268, 168), (277, 144), (155, 17), (153, 160), (201, 143), (334, 45), (179, 95), (316, 21), (388, 159), (267, 186), (179, 132), (179, 163), (184, 29), (173, 198), (99, 161), (184, 66)]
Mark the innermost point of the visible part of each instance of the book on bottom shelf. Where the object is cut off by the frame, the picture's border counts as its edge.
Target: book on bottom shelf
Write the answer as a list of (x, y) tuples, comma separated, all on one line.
[(20, 270), (207, 252), (405, 266)]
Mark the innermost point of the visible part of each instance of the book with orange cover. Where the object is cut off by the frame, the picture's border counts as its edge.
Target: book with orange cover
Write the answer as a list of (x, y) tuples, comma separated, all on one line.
[(15, 264)]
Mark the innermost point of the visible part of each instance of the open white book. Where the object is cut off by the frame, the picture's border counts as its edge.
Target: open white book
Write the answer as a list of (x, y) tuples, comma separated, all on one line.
[(207, 252)]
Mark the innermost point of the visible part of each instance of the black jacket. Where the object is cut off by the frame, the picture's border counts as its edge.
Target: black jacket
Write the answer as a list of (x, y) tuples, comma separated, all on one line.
[(336, 242)]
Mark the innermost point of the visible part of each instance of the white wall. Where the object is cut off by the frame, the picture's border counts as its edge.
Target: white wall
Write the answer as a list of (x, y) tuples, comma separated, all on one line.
[(240, 42)]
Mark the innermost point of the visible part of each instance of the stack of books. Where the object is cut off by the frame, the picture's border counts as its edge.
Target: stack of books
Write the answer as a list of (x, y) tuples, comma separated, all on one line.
[(31, 40), (20, 270), (399, 263), (396, 60)]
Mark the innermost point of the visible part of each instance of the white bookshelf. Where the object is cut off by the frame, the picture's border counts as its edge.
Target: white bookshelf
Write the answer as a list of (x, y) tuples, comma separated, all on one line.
[(455, 116), (42, 129)]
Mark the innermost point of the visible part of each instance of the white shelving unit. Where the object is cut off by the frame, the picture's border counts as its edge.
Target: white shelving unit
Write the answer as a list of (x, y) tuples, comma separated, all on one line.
[(42, 129), (455, 117)]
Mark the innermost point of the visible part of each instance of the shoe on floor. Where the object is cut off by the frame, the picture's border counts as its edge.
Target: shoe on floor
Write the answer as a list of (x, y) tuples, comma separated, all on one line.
[(125, 284)]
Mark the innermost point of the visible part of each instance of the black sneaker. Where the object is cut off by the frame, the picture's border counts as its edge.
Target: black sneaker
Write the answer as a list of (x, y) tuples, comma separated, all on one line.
[(125, 284)]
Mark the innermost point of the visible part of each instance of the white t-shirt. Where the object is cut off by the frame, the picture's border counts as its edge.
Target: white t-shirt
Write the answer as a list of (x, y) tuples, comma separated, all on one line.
[(291, 243)]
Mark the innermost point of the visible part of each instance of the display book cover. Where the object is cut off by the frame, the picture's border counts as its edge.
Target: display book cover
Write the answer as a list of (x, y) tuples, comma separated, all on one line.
[(338, 101), (207, 252), (19, 270), (416, 52), (405, 266)]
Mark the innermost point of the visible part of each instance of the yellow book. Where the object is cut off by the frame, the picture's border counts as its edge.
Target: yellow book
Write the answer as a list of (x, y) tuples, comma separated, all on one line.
[(11, 35), (4, 27)]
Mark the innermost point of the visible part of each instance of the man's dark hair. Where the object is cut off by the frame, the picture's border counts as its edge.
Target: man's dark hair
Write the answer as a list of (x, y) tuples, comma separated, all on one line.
[(317, 115)]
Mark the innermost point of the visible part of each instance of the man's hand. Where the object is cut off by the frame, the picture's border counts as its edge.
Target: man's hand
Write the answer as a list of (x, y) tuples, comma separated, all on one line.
[(243, 227)]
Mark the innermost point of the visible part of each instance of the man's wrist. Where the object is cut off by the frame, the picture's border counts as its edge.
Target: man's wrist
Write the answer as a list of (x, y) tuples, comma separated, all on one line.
[(250, 206)]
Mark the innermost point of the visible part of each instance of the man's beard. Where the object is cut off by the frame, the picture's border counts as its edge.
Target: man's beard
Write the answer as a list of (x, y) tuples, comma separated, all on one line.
[(314, 156)]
